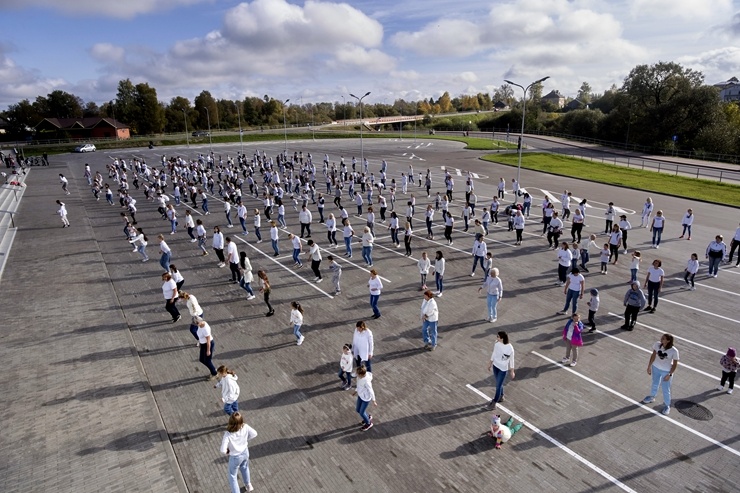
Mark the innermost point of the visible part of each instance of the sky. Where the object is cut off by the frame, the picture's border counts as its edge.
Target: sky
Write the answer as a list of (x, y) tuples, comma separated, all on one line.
[(316, 50)]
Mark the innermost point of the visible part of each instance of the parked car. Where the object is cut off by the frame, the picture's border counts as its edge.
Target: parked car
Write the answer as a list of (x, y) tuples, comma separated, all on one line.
[(200, 133), (85, 148)]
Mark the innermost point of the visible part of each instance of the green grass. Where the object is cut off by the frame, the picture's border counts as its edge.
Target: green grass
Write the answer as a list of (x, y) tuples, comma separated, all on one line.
[(477, 143), (652, 181)]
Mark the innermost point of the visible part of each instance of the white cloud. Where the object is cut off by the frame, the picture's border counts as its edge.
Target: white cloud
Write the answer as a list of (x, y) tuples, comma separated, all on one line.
[(17, 83), (124, 9), (684, 9), (107, 53), (466, 77), (716, 65), (445, 38)]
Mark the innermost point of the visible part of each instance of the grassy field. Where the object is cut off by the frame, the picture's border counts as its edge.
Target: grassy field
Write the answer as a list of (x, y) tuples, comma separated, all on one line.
[(705, 190)]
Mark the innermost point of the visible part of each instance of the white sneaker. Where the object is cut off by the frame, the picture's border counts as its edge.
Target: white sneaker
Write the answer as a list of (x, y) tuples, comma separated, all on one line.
[(472, 274), (250, 487), (439, 295), (250, 297), (729, 391), (625, 251), (692, 288), (300, 340), (494, 319), (573, 364), (193, 240), (721, 387), (565, 360)]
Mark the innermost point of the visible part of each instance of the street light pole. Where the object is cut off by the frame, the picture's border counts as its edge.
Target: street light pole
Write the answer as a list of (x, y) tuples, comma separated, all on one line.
[(210, 139), (285, 128), (524, 112), (344, 110), (238, 116), (362, 145), (185, 117)]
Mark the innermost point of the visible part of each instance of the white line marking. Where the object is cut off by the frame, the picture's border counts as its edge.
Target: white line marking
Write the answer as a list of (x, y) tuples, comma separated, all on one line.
[(713, 377), (555, 442), (699, 310), (643, 406), (727, 269), (674, 336), (710, 287)]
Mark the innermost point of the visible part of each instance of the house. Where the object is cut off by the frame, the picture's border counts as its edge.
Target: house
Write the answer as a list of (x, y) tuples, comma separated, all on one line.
[(4, 125), (555, 98), (83, 128), (500, 106), (729, 90), (576, 104)]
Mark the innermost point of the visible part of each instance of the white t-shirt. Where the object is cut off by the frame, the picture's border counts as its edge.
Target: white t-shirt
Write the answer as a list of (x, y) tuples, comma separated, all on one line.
[(169, 288), (564, 257), (666, 362), (654, 274), (204, 332), (576, 281)]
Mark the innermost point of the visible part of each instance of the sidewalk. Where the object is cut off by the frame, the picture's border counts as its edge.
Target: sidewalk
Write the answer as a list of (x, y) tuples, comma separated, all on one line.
[(77, 411)]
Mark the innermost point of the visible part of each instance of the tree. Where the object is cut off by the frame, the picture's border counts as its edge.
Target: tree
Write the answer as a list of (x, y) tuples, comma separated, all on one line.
[(59, 104), (177, 113), (505, 94), (205, 106), (445, 105), (584, 93), (535, 92), (149, 117), (22, 116), (125, 104)]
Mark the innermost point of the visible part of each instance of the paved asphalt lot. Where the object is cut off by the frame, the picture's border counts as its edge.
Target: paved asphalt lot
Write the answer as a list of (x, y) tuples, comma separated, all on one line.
[(103, 393)]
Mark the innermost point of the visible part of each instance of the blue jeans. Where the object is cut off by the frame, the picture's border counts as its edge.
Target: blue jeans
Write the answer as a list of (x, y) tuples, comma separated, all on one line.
[(492, 304), (572, 295), (585, 257), (297, 331), (246, 286), (657, 233), (173, 225), (653, 292), (658, 376), (205, 359), (429, 332), (527, 206), (257, 234), (686, 227), (296, 256), (361, 408), (231, 407), (281, 220), (142, 251), (374, 304), (438, 279), (476, 259), (367, 254), (243, 223), (164, 261), (345, 376), (713, 265), (275, 247), (368, 364), (633, 275), (205, 205), (348, 245), (499, 376), (228, 218), (238, 463)]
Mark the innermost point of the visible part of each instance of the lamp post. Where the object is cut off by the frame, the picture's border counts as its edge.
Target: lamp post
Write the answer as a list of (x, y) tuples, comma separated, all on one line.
[(344, 110), (185, 119), (210, 139), (238, 116), (362, 145), (285, 128), (524, 112)]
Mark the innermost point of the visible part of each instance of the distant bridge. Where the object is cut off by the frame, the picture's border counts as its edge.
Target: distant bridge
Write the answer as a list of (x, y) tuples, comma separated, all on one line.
[(370, 122)]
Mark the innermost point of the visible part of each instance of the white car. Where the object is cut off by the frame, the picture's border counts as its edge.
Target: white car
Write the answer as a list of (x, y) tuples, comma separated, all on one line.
[(85, 148)]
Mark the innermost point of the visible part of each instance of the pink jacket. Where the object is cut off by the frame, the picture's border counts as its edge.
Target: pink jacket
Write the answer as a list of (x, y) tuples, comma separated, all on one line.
[(576, 336)]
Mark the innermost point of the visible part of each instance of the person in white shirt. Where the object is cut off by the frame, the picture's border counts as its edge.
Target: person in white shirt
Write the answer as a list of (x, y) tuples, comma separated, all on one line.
[(314, 253), (686, 222), (257, 225), (235, 445), (64, 183), (429, 321), (169, 291), (610, 213), (164, 249), (227, 382), (363, 346), (296, 320), (367, 246), (692, 267), (241, 213), (554, 230), (232, 253), (345, 367), (218, 245), (227, 211), (479, 252), (661, 367), (194, 310), (647, 211), (63, 213), (439, 272), (424, 264), (624, 227), (305, 218), (297, 249), (565, 260), (519, 222), (501, 188), (574, 289), (274, 236), (494, 291), (365, 394), (190, 225), (375, 285), (716, 251), (502, 360), (654, 284), (657, 228)]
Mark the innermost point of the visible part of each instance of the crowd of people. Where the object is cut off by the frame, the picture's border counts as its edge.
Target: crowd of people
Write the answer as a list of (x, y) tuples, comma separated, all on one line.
[(267, 188)]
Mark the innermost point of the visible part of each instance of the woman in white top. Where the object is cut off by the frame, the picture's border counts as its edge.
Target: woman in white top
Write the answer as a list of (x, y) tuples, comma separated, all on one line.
[(654, 284), (565, 259), (429, 321), (190, 225), (241, 213), (218, 245), (363, 346), (257, 225), (647, 210), (164, 260), (657, 228), (692, 267), (715, 252), (429, 217), (577, 225), (142, 241), (195, 311), (347, 234), (439, 272), (245, 275), (375, 285), (274, 236), (235, 445), (331, 230), (661, 367), (686, 222), (365, 394), (207, 345), (296, 320), (367, 246), (624, 227), (615, 238), (502, 360), (393, 228), (424, 265)]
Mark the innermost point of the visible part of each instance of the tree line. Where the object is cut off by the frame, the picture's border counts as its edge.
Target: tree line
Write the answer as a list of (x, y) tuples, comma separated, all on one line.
[(661, 106)]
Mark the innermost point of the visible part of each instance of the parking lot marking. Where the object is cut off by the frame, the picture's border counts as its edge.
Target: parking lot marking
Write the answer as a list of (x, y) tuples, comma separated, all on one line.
[(700, 310), (709, 287), (558, 444), (641, 405), (659, 331)]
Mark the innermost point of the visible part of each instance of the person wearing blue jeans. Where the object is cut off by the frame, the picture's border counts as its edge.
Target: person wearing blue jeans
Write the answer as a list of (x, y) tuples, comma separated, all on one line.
[(657, 228), (661, 367), (574, 289), (439, 271), (429, 321), (494, 290), (502, 360), (235, 444), (375, 285), (716, 251), (164, 260), (479, 252), (365, 394)]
